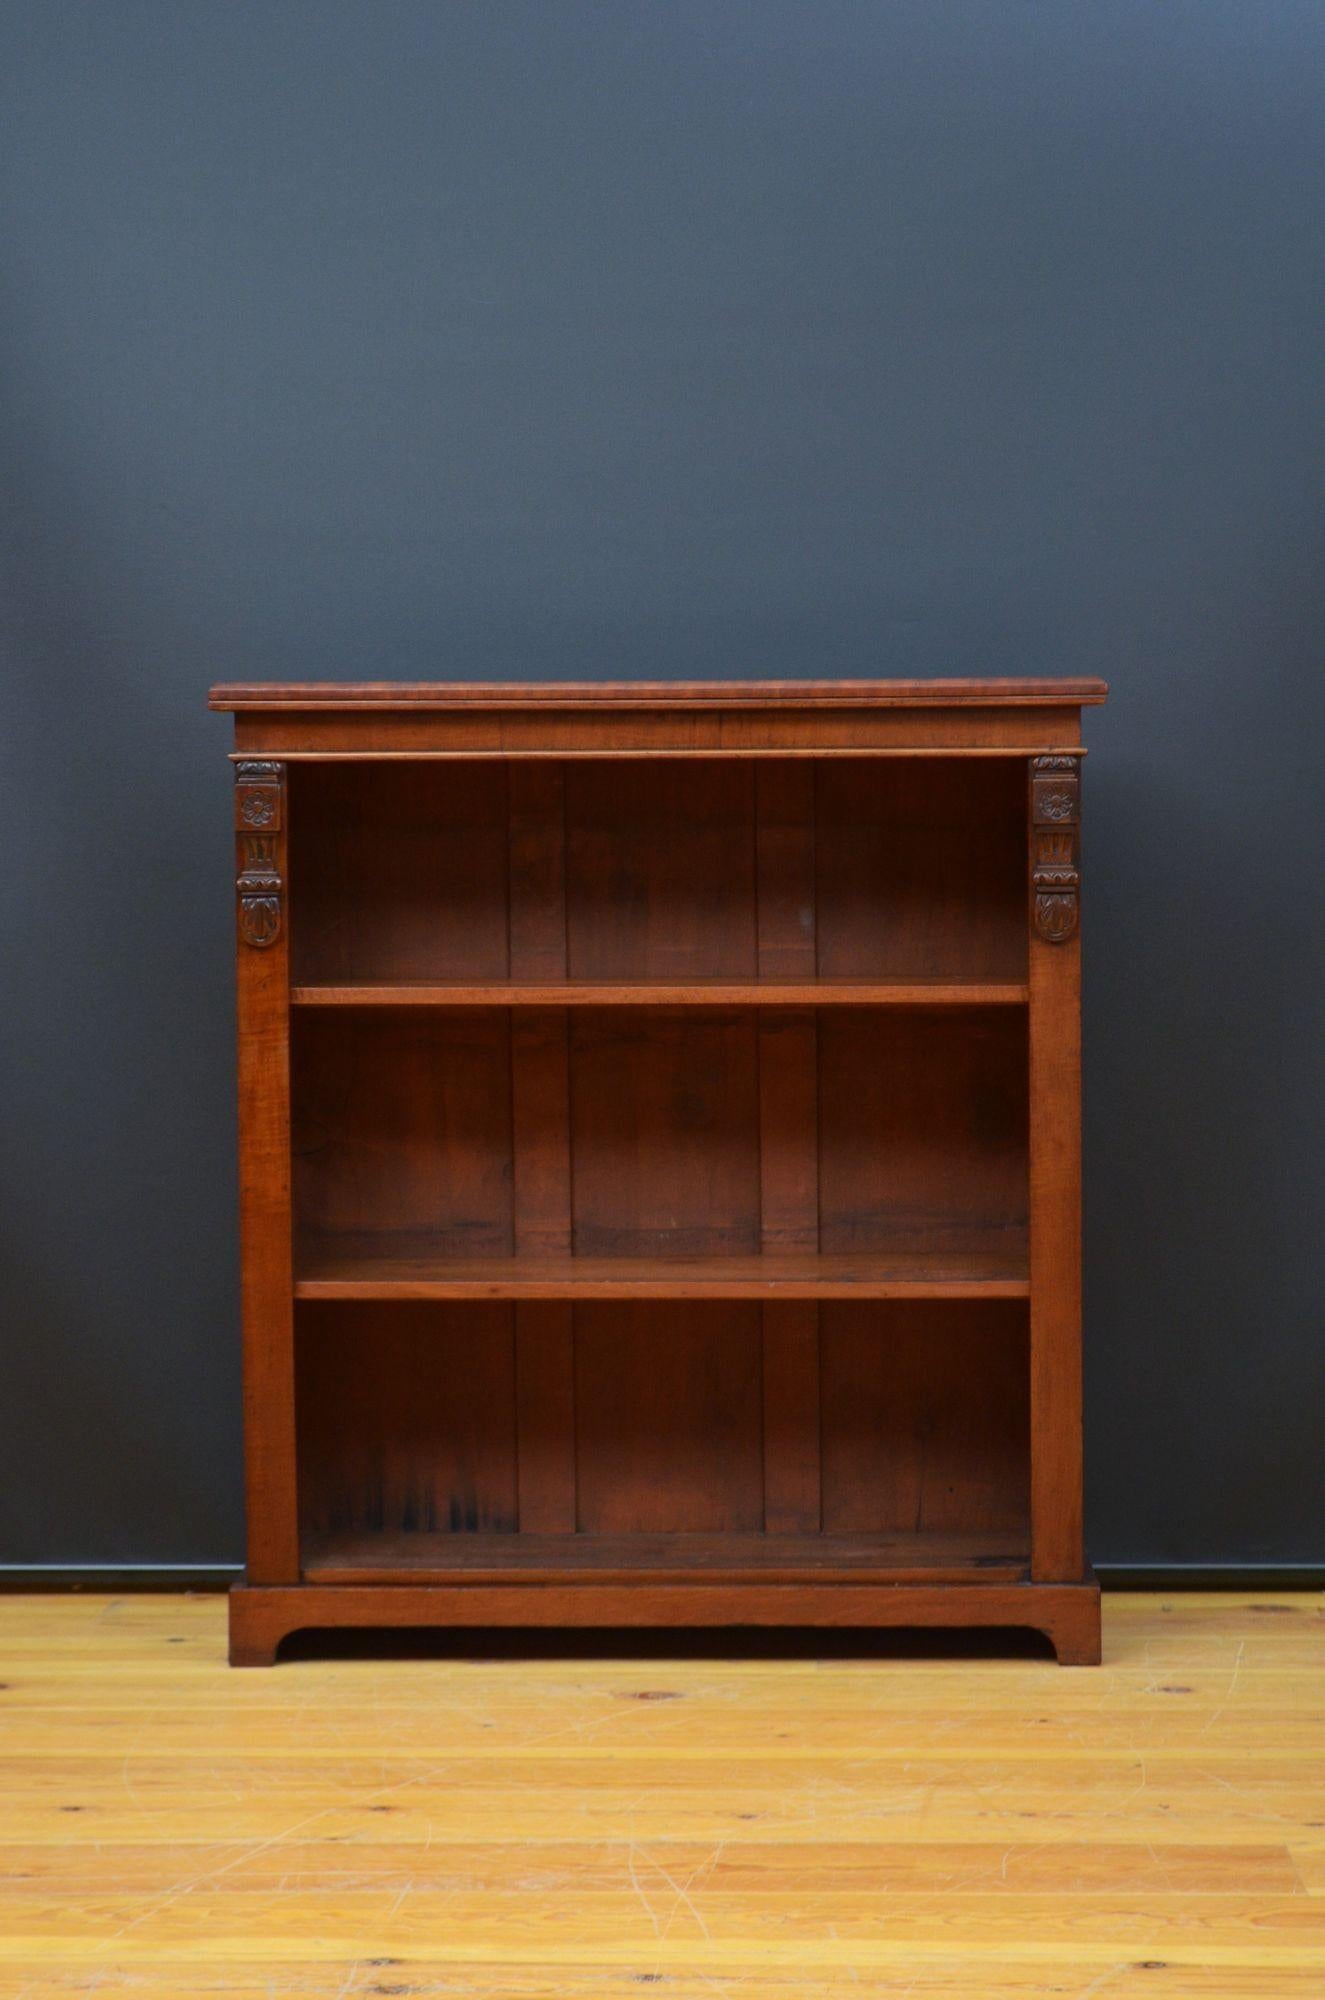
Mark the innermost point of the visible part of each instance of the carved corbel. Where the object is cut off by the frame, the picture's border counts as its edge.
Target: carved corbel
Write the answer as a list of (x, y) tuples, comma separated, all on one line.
[(259, 797), (1055, 853)]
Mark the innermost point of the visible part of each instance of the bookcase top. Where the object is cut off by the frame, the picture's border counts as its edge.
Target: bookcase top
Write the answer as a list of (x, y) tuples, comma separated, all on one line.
[(244, 695)]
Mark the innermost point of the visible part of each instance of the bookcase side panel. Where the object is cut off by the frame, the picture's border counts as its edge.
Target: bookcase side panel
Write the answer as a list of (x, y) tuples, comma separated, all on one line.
[(1053, 892), (266, 1282)]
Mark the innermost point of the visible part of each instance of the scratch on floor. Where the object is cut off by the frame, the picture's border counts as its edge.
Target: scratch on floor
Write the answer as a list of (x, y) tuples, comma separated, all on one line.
[(1230, 1690), (638, 1887)]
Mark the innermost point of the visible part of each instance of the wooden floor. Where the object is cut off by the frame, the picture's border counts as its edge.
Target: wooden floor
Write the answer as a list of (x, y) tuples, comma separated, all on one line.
[(932, 1826)]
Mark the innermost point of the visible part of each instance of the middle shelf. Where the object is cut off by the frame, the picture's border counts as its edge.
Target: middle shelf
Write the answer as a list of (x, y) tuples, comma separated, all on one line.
[(669, 993), (992, 1266)]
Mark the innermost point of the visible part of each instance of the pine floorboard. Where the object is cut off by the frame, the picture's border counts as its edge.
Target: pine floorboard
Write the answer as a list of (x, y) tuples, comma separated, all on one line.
[(937, 1819)]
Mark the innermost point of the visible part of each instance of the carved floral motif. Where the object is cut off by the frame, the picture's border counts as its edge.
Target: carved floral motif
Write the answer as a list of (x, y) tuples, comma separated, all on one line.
[(257, 809), (1055, 875), (259, 884), (257, 795)]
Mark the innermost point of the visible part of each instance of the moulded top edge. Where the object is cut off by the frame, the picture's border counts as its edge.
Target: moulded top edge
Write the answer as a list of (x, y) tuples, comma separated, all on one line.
[(234, 695)]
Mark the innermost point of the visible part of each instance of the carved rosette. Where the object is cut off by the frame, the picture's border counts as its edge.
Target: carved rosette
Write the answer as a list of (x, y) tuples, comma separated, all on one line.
[(1055, 832), (259, 797)]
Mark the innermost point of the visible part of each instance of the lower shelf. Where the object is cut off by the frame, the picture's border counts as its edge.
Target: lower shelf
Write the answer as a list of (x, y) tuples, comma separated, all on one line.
[(936, 1557)]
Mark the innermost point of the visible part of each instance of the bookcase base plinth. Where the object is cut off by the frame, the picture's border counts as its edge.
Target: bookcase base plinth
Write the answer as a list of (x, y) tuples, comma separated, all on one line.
[(261, 1615)]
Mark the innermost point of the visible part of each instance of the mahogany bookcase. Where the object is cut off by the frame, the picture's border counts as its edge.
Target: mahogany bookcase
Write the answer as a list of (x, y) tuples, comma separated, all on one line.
[(660, 1155)]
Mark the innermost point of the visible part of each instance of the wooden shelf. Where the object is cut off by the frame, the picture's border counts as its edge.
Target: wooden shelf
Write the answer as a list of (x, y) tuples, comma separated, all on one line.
[(934, 1556), (994, 1266), (669, 993)]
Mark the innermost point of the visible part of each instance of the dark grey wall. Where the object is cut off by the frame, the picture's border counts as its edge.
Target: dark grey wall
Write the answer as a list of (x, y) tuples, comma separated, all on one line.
[(413, 340)]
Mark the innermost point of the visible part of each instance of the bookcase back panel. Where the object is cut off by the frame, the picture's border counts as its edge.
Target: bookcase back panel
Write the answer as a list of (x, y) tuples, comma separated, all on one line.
[(661, 1132), (406, 1419), (652, 869), (922, 1125), (921, 868), (402, 1122), (399, 871), (668, 1418), (925, 1415), (657, 1418), (664, 1128), (660, 871)]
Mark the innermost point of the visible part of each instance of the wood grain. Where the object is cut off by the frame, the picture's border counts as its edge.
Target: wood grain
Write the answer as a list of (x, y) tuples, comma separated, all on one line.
[(784, 862), (407, 1419), (788, 1133), (792, 1444), (922, 1126), (685, 695), (537, 805), (380, 852), (540, 1132), (736, 732), (793, 1556), (669, 993), (545, 1418), (262, 1615), (920, 870), (664, 1134), (812, 1821), (924, 1417), (1057, 1532), (265, 1225), (989, 1265), (667, 1419), (660, 872), (404, 1122)]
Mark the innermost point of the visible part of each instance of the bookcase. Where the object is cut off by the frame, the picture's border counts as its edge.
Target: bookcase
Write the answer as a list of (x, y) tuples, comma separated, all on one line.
[(660, 1155)]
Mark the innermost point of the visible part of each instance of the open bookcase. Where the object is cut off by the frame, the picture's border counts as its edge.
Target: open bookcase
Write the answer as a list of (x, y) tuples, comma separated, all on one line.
[(660, 1156)]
